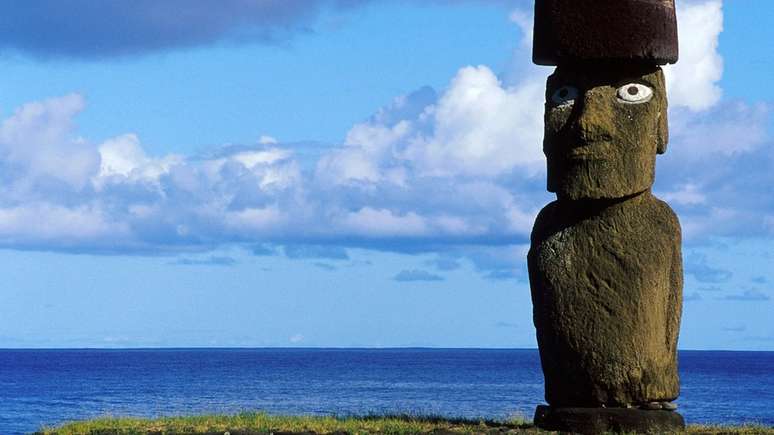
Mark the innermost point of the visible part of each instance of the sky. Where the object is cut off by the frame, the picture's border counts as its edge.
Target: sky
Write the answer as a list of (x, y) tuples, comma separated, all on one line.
[(339, 173)]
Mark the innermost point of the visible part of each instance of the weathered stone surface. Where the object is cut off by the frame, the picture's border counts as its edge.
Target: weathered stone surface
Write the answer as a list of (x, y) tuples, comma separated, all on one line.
[(606, 281), (606, 420), (651, 406), (597, 144), (669, 406), (605, 263), (572, 31)]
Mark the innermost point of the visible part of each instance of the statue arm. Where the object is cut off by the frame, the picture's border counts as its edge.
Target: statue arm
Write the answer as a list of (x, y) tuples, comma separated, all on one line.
[(539, 233), (676, 287)]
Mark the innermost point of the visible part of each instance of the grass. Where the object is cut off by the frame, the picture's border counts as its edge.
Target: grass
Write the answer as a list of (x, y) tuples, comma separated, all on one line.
[(730, 430), (262, 423), (259, 422)]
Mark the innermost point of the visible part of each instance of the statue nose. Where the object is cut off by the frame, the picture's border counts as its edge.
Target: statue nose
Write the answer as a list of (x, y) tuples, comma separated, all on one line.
[(595, 118)]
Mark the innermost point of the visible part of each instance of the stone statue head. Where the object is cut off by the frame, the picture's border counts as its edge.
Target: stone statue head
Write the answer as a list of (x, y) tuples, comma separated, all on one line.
[(604, 124)]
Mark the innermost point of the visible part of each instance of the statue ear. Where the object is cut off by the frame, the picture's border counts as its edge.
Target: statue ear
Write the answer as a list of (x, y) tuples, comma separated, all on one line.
[(663, 133), (662, 129)]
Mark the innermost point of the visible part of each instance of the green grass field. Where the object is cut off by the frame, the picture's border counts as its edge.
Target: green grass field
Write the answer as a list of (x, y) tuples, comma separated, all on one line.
[(261, 423)]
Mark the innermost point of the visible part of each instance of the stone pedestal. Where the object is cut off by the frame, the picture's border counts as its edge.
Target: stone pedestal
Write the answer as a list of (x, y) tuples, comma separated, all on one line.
[(592, 421)]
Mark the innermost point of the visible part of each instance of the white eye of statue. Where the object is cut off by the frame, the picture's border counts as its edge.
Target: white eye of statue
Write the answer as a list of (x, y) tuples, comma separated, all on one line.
[(565, 95), (634, 93)]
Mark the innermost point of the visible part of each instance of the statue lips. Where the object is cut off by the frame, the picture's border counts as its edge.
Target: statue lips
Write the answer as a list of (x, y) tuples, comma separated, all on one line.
[(591, 150)]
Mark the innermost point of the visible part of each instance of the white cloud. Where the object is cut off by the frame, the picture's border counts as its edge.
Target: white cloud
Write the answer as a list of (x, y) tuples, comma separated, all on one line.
[(462, 167), (732, 128), (253, 158), (526, 22), (482, 128), (692, 81), (48, 226), (348, 165), (36, 143), (477, 127), (720, 151), (41, 123), (255, 221), (273, 166), (121, 155), (267, 140), (369, 222), (687, 194), (366, 148), (124, 156)]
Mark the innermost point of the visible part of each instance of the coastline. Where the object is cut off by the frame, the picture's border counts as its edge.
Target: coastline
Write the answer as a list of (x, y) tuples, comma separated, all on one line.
[(250, 423)]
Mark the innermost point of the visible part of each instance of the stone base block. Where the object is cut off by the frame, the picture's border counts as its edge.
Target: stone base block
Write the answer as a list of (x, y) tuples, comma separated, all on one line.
[(604, 420)]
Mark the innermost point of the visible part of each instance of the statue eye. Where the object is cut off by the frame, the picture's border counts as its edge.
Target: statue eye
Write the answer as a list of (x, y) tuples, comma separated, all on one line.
[(634, 93), (565, 96)]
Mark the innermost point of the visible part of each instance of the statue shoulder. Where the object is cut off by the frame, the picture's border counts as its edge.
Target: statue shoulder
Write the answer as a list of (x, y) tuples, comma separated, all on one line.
[(544, 220), (667, 217)]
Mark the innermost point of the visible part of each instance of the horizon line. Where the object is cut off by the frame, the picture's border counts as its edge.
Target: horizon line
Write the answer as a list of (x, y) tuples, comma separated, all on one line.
[(173, 348)]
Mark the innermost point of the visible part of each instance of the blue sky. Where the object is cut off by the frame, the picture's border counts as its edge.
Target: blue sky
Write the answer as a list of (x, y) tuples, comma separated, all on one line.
[(338, 173)]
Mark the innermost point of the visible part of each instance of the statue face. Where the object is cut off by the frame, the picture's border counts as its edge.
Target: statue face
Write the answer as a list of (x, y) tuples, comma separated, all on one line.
[(603, 128)]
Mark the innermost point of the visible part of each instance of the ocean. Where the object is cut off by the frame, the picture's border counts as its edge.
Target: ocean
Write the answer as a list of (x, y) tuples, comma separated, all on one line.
[(48, 387)]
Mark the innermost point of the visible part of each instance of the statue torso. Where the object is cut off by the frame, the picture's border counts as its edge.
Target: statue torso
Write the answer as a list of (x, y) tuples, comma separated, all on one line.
[(606, 280)]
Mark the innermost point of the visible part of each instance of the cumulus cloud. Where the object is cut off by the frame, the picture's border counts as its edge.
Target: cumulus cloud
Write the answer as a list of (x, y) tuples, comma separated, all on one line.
[(692, 82), (713, 141), (37, 225), (481, 128), (457, 171), (719, 149), (715, 167), (126, 199), (37, 147)]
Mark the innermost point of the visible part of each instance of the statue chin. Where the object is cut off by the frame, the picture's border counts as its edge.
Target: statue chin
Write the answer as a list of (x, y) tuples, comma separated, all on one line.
[(579, 179)]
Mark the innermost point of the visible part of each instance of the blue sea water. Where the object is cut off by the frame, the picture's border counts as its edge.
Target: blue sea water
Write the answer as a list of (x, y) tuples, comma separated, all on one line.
[(47, 387)]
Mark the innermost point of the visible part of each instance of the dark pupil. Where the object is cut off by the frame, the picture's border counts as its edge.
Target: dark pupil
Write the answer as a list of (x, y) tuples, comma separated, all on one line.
[(633, 90), (563, 93)]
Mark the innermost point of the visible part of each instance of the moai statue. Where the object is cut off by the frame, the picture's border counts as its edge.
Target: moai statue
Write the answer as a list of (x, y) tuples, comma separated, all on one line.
[(605, 262)]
